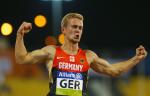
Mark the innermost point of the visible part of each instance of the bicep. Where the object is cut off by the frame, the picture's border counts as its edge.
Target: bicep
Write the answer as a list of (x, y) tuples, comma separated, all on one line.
[(40, 55), (35, 56), (101, 65)]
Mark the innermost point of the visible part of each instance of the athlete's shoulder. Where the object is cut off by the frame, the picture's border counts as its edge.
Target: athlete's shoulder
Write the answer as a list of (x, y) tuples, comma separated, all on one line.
[(51, 49), (48, 47), (90, 55), (89, 51)]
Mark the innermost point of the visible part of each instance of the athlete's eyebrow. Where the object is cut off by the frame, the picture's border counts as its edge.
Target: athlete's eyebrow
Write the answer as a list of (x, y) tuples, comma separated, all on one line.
[(76, 26)]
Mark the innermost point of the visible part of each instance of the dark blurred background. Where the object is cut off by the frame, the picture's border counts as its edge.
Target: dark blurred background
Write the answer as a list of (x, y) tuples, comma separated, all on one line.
[(107, 22), (113, 29)]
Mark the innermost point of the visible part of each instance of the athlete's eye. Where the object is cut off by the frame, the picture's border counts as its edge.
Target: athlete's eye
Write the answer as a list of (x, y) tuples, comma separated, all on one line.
[(76, 26), (80, 27)]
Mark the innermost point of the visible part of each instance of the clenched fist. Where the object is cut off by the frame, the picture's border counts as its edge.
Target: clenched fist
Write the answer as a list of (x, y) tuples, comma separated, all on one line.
[(141, 53), (24, 28)]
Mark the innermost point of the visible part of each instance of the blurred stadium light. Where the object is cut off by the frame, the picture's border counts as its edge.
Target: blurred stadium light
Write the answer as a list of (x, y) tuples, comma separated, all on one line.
[(6, 29), (50, 40), (40, 20), (61, 38)]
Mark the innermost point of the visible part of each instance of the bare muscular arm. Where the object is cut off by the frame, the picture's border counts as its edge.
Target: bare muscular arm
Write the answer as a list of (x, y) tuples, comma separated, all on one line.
[(25, 57), (102, 66)]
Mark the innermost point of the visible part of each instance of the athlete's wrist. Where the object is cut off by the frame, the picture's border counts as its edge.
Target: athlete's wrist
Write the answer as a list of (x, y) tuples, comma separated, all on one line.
[(19, 35)]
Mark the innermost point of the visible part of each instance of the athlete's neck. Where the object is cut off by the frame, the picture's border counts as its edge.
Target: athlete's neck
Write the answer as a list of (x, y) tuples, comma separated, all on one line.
[(70, 48)]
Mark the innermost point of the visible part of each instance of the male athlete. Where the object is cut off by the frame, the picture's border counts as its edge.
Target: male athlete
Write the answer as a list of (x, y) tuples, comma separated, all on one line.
[(67, 64)]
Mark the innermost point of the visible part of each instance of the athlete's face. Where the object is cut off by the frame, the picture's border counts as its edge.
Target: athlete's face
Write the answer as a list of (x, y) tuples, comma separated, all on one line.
[(73, 30)]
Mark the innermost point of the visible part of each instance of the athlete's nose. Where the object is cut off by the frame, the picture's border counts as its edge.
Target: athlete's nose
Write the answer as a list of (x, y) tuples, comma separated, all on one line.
[(77, 31)]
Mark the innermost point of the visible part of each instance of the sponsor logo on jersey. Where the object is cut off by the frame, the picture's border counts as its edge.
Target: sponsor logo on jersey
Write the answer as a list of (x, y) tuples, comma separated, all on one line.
[(60, 57), (71, 75)]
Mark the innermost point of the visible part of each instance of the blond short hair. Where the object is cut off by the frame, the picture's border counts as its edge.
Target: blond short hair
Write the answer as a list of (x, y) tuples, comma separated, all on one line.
[(68, 16)]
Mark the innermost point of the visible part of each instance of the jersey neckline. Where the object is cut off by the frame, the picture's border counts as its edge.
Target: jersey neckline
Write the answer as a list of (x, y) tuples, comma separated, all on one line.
[(79, 49)]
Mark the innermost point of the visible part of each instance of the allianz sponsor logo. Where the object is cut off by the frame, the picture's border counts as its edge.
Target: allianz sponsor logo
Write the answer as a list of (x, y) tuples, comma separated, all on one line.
[(71, 75)]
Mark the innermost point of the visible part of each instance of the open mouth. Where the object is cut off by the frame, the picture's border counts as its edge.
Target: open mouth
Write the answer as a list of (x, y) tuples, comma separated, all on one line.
[(76, 36)]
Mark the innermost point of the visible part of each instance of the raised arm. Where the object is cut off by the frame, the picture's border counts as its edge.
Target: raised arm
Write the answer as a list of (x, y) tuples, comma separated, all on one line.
[(23, 56), (102, 66)]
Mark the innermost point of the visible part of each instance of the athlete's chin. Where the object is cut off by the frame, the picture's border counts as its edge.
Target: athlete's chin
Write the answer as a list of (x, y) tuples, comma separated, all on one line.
[(76, 40)]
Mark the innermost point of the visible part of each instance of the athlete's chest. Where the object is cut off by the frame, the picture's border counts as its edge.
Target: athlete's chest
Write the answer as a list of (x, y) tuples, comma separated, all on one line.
[(71, 63)]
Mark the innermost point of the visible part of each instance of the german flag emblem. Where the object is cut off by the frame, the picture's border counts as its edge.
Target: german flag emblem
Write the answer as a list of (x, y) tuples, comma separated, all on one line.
[(81, 60)]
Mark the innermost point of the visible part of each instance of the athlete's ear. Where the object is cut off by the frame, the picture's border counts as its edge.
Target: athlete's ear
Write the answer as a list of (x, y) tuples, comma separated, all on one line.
[(62, 29)]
